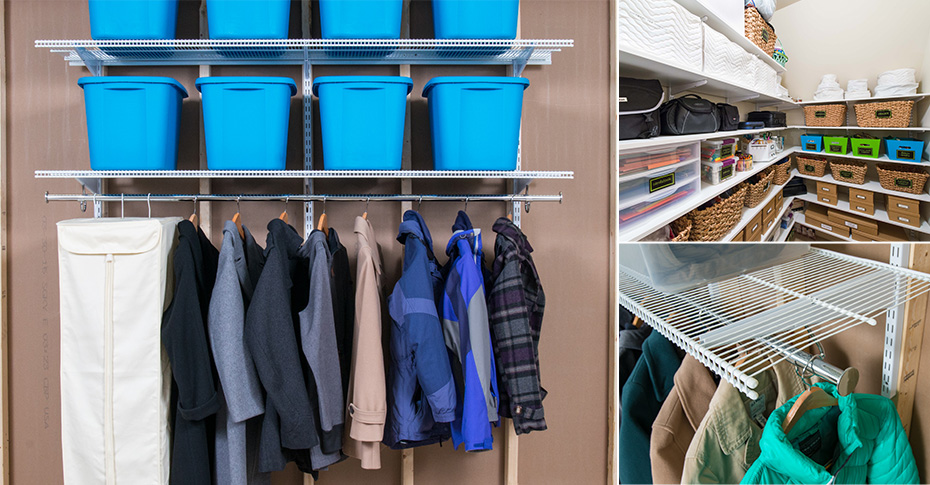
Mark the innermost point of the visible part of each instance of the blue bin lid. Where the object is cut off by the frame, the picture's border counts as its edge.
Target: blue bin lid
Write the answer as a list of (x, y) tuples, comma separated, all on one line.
[(474, 80), (361, 79), (247, 80), (132, 80)]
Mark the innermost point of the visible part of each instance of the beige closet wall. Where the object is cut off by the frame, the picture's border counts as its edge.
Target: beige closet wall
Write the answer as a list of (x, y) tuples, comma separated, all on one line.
[(854, 39), (565, 127)]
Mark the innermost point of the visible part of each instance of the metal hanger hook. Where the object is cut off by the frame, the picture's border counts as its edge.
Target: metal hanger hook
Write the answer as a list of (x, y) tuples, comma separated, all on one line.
[(237, 203), (367, 201), (122, 206), (419, 203), (148, 201), (195, 205), (324, 204), (466, 204), (286, 200)]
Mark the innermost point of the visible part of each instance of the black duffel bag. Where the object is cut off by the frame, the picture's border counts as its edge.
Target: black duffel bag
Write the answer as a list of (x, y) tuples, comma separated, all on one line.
[(688, 115), (729, 116), (640, 100), (772, 119)]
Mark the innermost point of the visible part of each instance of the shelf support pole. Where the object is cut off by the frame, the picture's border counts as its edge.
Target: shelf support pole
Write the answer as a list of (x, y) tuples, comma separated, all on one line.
[(406, 187), (205, 184), (911, 324)]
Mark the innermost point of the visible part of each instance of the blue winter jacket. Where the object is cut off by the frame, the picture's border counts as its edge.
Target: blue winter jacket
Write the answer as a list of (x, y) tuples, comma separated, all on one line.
[(468, 337), (421, 400)]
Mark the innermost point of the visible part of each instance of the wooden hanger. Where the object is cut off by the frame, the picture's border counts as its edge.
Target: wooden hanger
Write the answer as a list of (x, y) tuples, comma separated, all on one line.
[(283, 215), (812, 398), (237, 220), (322, 225)]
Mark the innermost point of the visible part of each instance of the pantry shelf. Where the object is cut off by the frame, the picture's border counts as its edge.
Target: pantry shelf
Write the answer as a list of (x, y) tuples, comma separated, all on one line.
[(749, 213), (803, 222), (881, 159), (97, 53), (639, 144), (641, 65), (857, 128), (869, 185), (785, 207), (914, 97), (880, 215), (737, 325)]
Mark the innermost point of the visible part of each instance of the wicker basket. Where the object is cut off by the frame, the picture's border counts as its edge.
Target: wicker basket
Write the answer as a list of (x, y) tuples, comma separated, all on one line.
[(760, 32), (849, 171), (682, 228), (812, 166), (902, 178), (885, 114), (714, 222), (782, 173), (755, 193), (825, 115)]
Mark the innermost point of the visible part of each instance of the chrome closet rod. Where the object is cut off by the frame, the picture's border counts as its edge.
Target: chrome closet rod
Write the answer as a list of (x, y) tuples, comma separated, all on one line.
[(302, 197)]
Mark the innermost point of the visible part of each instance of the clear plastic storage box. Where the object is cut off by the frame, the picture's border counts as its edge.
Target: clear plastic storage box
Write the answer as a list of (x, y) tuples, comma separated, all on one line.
[(651, 191), (676, 267)]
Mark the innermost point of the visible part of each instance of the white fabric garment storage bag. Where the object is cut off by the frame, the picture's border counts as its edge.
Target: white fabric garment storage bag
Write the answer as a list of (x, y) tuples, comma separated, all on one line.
[(115, 379)]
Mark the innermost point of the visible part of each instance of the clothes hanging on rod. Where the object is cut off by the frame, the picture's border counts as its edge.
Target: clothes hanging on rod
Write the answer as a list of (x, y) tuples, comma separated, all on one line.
[(343, 306), (238, 421), (643, 394), (859, 441), (516, 302), (726, 443), (422, 397), (468, 336), (366, 402), (184, 335)]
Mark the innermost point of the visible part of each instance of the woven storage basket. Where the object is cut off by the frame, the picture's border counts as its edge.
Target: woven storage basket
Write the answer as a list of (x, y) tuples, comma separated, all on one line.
[(782, 173), (849, 171), (756, 192), (825, 115), (902, 178), (682, 228), (885, 114), (714, 222), (812, 166), (760, 32)]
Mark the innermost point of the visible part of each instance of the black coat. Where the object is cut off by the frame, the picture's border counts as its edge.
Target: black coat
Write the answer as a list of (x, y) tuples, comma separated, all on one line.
[(343, 306)]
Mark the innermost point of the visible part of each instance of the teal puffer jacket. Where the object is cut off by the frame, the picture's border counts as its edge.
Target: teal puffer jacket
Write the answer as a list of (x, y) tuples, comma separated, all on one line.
[(860, 441)]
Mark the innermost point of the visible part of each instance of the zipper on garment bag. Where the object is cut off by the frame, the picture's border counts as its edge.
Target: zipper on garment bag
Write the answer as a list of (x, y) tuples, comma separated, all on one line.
[(109, 436)]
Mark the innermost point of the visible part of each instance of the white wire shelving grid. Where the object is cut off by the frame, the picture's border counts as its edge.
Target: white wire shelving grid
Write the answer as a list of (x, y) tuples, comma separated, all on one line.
[(96, 53), (736, 326), (443, 174)]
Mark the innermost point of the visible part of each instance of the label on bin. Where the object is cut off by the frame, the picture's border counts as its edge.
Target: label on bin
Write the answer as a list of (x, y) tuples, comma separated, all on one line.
[(903, 206), (811, 146), (820, 114), (903, 219), (836, 148), (907, 155), (662, 182), (726, 152), (829, 228), (809, 168), (726, 172), (765, 35), (860, 196), (865, 150), (846, 174), (852, 225), (903, 182), (883, 113)]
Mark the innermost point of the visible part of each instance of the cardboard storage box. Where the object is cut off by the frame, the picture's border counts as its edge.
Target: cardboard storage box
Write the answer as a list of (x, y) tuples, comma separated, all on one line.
[(863, 197), (754, 229), (904, 218), (902, 205), (779, 200), (827, 198), (868, 210), (825, 188), (860, 224), (817, 216), (769, 210), (886, 233)]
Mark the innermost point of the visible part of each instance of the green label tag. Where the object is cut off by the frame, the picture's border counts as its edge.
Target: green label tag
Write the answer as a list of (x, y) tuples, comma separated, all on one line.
[(907, 155), (846, 174), (726, 172), (903, 182), (820, 114), (883, 113), (865, 150), (661, 182), (726, 152), (836, 148), (765, 36), (809, 168)]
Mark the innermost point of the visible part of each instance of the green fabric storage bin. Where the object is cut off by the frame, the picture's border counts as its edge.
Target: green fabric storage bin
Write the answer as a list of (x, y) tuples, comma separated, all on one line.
[(866, 147), (837, 145)]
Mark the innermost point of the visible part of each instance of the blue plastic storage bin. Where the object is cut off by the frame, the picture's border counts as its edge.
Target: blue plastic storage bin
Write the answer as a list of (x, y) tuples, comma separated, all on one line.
[(904, 149), (475, 121), (132, 19), (475, 19), (362, 121), (360, 19), (248, 19), (133, 123), (245, 121), (812, 143)]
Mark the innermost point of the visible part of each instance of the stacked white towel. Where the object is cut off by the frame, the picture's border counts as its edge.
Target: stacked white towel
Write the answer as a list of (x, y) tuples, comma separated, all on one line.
[(780, 90), (829, 89), (900, 82), (858, 89)]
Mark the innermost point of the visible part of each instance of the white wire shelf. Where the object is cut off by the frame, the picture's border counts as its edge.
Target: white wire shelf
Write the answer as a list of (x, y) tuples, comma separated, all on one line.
[(95, 53), (733, 326), (315, 174), (915, 97)]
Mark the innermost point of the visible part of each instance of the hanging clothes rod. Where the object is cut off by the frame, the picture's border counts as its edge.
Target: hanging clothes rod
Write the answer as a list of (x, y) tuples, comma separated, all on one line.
[(302, 198), (844, 379)]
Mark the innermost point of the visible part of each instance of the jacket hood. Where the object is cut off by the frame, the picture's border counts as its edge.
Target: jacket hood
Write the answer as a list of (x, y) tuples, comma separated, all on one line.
[(413, 224), (505, 227), (462, 229)]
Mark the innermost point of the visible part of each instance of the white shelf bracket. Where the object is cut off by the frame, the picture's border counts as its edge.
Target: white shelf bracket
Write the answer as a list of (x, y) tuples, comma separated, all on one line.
[(519, 63), (94, 65), (741, 99), (676, 89), (894, 325)]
